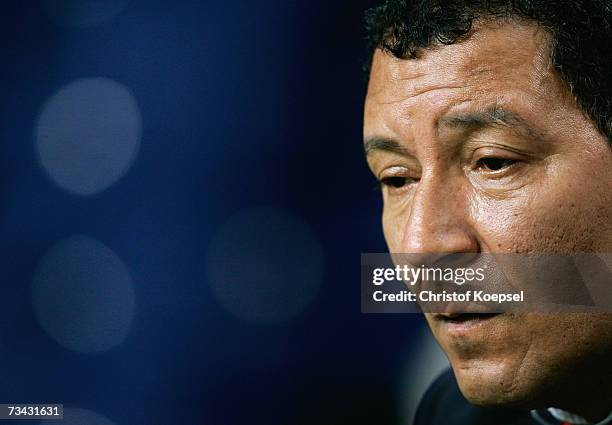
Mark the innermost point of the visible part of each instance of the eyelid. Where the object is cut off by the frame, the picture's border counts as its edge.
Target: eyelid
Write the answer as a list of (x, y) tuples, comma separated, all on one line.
[(512, 170), (493, 151), (496, 152), (496, 149), (395, 171), (400, 174)]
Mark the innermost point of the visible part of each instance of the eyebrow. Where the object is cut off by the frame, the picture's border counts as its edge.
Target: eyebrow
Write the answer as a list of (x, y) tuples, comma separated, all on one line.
[(490, 117), (375, 143)]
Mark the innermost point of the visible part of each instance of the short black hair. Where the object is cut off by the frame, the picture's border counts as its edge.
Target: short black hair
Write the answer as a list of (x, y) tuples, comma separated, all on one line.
[(581, 32)]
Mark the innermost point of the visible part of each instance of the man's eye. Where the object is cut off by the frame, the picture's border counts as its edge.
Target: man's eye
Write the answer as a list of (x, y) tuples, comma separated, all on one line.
[(396, 182), (495, 164)]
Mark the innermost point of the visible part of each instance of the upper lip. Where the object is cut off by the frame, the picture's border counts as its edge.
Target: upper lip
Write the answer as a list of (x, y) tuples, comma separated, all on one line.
[(447, 315)]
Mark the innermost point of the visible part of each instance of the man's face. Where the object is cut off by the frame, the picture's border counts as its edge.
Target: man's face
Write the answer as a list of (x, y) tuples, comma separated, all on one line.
[(481, 148)]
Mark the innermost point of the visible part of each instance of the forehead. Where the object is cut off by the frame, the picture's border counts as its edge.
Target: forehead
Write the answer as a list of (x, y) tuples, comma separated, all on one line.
[(494, 58)]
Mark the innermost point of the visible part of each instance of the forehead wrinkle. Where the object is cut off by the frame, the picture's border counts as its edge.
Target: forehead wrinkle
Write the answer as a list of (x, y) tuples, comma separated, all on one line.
[(474, 69), (492, 116), (408, 97)]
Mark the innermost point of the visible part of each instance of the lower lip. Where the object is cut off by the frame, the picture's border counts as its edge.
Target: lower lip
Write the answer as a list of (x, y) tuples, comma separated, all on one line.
[(468, 325)]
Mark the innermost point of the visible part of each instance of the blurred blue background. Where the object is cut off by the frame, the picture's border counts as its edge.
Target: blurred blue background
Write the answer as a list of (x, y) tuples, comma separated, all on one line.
[(184, 204)]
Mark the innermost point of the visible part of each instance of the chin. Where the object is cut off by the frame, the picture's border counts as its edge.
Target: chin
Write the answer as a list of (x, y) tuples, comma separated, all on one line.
[(497, 385)]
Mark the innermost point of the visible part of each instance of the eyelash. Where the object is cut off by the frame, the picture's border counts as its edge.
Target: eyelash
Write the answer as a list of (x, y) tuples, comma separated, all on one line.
[(496, 164), (395, 182), (491, 164)]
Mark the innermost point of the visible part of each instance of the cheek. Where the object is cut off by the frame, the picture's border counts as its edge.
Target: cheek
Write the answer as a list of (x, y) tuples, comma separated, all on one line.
[(549, 216)]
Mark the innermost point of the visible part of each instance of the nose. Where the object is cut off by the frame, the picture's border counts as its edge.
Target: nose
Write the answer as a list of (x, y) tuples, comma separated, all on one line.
[(437, 225)]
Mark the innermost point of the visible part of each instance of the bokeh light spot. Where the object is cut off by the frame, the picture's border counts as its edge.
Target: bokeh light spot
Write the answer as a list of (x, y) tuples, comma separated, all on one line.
[(83, 296), (88, 135), (265, 265)]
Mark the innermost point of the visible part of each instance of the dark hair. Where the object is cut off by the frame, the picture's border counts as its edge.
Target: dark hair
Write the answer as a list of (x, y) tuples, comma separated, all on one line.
[(581, 33)]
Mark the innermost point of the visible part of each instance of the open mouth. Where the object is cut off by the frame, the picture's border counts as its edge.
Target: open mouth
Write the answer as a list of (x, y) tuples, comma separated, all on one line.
[(465, 317)]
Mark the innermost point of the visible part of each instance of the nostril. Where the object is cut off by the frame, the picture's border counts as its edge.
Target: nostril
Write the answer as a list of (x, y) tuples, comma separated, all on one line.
[(458, 258), (434, 259)]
